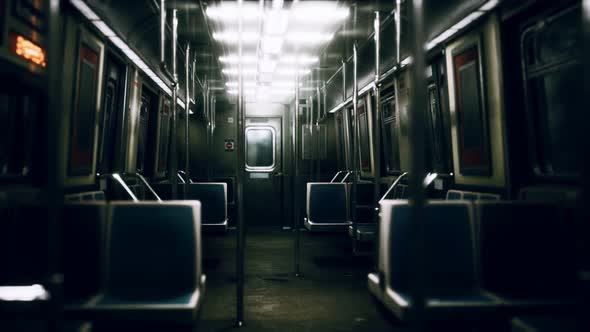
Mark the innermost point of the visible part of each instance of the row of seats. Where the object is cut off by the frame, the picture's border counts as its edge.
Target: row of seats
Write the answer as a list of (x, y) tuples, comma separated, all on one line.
[(482, 259), (454, 195), (212, 195), (120, 260)]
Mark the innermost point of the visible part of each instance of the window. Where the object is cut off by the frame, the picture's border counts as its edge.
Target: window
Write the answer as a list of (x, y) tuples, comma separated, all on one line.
[(18, 123), (364, 139), (436, 129), (472, 120), (390, 132), (84, 112), (553, 90), (340, 140), (108, 126), (260, 149), (163, 139), (144, 112)]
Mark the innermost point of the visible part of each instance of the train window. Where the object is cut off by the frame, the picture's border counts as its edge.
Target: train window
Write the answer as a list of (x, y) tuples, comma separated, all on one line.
[(260, 151), (340, 140), (164, 134), (436, 128), (84, 112), (18, 123), (109, 118), (474, 156), (553, 89), (144, 115), (364, 137), (390, 133)]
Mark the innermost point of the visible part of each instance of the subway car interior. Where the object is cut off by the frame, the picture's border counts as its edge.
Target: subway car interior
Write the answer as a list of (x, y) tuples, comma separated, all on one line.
[(294, 165)]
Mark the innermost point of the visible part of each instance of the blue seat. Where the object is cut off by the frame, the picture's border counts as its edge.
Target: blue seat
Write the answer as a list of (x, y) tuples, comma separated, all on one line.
[(213, 198), (453, 195), (527, 255), (326, 207), (153, 265), (451, 286)]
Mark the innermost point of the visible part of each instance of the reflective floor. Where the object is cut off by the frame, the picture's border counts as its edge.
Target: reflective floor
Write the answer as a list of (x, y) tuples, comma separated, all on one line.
[(330, 296)]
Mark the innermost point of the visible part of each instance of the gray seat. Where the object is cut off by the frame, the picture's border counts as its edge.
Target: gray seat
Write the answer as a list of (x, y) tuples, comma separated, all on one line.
[(153, 265), (527, 255), (451, 286), (213, 198), (326, 207)]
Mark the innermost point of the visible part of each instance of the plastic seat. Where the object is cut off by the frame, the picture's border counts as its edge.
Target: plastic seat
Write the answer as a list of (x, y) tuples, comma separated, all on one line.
[(451, 285), (153, 265), (527, 255), (213, 198), (83, 237), (326, 207)]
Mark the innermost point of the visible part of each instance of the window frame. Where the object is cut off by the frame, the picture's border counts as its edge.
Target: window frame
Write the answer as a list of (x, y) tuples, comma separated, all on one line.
[(269, 168), (538, 165)]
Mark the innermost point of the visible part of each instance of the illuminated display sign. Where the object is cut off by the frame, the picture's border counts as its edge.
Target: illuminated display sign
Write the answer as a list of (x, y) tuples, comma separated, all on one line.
[(28, 50)]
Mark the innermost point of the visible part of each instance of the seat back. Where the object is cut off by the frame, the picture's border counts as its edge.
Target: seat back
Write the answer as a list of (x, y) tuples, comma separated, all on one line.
[(154, 249), (83, 238), (449, 246), (86, 196), (213, 197), (24, 243), (453, 195), (526, 248), (327, 202)]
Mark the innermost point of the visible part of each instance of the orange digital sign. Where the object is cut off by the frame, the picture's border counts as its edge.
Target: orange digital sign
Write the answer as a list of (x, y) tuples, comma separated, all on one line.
[(29, 50)]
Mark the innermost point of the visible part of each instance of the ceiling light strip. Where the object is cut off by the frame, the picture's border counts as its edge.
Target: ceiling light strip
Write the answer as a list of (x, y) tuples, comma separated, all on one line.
[(469, 19), (121, 45)]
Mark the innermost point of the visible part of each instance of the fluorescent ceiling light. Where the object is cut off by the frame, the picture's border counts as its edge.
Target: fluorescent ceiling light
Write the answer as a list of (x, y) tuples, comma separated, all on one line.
[(235, 71), (489, 5), (235, 59), (23, 293), (320, 11), (299, 59), (308, 38), (248, 37), (291, 71), (272, 44), (103, 28), (234, 84), (276, 22), (268, 66), (233, 12), (84, 9)]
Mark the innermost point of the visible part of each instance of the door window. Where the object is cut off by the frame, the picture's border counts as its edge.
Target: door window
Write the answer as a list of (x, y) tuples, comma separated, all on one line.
[(260, 148)]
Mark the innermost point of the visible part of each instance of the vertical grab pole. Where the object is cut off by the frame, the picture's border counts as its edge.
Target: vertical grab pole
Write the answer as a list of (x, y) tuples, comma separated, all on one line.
[(186, 118), (355, 145), (296, 190), (318, 140), (417, 119), (241, 159), (173, 131), (377, 123), (53, 191)]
